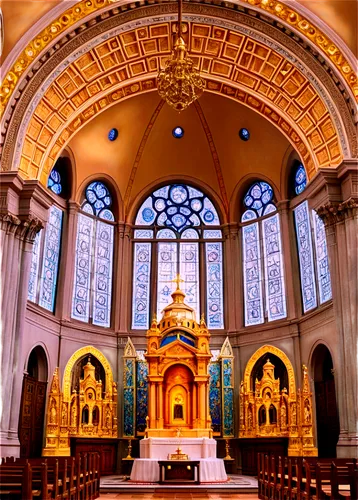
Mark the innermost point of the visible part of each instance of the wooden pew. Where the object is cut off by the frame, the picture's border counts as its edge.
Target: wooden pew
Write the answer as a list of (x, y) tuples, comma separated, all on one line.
[(17, 482)]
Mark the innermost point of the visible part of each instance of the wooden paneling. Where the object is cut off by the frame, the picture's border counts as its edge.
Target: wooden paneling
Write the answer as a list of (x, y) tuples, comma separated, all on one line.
[(107, 448)]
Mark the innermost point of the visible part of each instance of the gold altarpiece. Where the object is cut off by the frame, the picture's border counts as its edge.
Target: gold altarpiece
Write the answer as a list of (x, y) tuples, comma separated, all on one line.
[(178, 356), (267, 411), (86, 413)]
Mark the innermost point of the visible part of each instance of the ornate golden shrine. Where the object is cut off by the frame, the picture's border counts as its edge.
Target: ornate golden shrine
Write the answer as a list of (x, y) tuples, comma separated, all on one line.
[(178, 356), (265, 411), (88, 413)]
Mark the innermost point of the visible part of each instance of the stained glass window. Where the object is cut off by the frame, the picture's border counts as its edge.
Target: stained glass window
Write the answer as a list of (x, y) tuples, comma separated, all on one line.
[(34, 271), (300, 178), (50, 260), (178, 218), (54, 181), (305, 255), (323, 274), (264, 284), (141, 285), (92, 291)]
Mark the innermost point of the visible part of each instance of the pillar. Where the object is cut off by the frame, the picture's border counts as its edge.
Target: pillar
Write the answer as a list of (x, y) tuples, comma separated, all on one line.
[(23, 212)]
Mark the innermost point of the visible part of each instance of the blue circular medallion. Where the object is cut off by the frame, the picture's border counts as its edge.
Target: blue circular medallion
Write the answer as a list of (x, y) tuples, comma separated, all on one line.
[(148, 214), (244, 134), (113, 134), (178, 132)]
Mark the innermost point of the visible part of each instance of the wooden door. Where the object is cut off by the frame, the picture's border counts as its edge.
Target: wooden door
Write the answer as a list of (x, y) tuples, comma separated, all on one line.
[(32, 414), (327, 418)]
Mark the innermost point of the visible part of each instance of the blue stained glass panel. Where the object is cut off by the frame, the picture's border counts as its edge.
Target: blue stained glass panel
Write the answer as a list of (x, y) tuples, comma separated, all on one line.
[(54, 182), (189, 272), (103, 274), (214, 284), (212, 234), (143, 234), (228, 397), (300, 179), (252, 275), (215, 395), (128, 403), (257, 198), (97, 195), (324, 276), (82, 281), (274, 277), (141, 286), (142, 395), (51, 259), (34, 271), (167, 270), (305, 255)]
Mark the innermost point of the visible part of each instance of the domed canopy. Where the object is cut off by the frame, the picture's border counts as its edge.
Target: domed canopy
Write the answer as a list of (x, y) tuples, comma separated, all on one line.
[(178, 310)]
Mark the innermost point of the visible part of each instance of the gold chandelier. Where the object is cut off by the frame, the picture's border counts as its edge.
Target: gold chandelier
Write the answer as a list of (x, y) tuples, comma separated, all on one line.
[(179, 83)]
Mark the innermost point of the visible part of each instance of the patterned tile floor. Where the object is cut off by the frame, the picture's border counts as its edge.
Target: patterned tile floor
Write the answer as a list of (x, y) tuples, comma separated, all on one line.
[(115, 487)]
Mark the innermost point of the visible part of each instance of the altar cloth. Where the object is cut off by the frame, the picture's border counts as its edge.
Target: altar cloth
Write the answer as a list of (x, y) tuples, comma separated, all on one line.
[(160, 448), (146, 470)]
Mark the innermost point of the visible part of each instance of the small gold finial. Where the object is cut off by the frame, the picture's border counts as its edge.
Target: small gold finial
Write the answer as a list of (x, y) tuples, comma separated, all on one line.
[(202, 321), (178, 280)]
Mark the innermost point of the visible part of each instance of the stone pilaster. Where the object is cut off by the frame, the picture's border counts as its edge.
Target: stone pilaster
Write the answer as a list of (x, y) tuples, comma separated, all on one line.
[(23, 212), (336, 202)]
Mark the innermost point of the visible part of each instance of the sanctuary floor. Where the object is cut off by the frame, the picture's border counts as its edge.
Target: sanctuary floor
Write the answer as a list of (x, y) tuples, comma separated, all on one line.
[(176, 496)]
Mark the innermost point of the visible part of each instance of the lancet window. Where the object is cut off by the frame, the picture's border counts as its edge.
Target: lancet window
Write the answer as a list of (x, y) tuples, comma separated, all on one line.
[(45, 258), (92, 289), (264, 283), (313, 257), (178, 231)]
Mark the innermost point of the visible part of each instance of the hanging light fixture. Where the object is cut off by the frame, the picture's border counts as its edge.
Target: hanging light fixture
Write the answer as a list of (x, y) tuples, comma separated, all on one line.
[(179, 83)]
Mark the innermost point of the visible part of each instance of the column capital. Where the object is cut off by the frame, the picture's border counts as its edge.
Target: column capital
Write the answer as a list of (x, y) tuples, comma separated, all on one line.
[(73, 207), (230, 230), (332, 213)]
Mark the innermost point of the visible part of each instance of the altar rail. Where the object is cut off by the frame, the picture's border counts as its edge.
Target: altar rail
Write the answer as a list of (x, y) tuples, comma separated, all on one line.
[(58, 478), (307, 478)]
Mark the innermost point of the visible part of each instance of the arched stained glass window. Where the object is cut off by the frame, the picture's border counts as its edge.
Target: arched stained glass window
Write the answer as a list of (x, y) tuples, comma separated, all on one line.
[(54, 181), (94, 257), (264, 284), (313, 259), (46, 250), (176, 218), (300, 178)]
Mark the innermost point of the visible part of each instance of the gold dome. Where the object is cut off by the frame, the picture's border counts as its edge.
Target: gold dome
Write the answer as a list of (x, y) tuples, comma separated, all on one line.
[(178, 310)]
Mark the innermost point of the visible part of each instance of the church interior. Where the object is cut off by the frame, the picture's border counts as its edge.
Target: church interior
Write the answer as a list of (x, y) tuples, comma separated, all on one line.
[(179, 192)]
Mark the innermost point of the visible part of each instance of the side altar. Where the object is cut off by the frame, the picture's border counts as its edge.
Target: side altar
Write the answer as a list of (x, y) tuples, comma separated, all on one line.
[(178, 421)]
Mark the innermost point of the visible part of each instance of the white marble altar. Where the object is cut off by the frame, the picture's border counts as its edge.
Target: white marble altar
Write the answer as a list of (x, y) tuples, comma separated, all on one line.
[(146, 470), (160, 448)]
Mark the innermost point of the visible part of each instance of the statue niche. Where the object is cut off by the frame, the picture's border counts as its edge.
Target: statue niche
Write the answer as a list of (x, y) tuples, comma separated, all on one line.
[(89, 410)]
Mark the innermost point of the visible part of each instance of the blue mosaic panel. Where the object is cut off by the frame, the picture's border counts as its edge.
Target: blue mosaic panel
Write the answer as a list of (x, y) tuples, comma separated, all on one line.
[(305, 255), (228, 397), (228, 418), (215, 395), (273, 264), (189, 272), (50, 259), (82, 281), (214, 284), (34, 271), (177, 206), (100, 200), (142, 395), (167, 271), (54, 181), (141, 286), (103, 274), (252, 275), (128, 397), (322, 264)]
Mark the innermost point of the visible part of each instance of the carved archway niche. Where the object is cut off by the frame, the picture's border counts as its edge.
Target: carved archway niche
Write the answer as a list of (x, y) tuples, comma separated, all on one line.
[(269, 349), (233, 64)]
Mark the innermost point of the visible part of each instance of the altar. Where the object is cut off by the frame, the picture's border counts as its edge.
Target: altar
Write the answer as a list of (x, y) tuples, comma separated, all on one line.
[(178, 422)]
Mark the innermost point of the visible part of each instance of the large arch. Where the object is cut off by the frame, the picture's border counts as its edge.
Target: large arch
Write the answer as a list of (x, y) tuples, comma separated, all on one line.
[(78, 355), (280, 354), (308, 117)]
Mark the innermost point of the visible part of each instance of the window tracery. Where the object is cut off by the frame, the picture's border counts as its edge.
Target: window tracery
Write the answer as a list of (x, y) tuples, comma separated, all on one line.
[(45, 257), (176, 217), (313, 259), (264, 284), (94, 257)]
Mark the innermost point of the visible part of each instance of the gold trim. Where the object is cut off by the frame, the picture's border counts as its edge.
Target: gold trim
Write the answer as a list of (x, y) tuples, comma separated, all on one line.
[(82, 9)]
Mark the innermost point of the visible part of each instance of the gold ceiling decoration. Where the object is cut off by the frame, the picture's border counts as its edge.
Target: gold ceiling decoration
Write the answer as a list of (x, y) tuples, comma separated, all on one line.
[(179, 82), (84, 8)]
